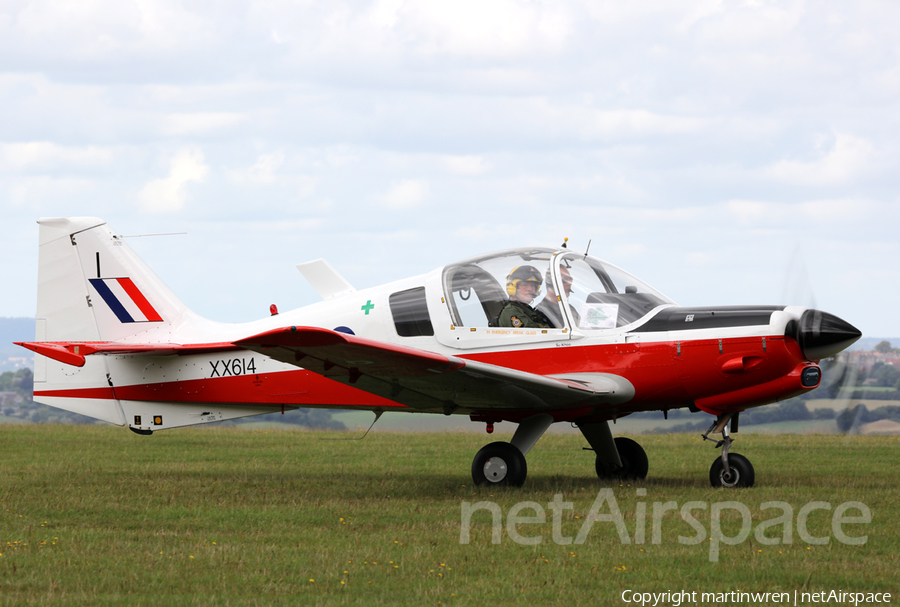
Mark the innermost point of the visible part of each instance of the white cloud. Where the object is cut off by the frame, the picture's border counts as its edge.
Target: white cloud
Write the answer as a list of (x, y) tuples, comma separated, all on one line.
[(384, 13), (44, 191), (166, 25), (645, 126), (638, 122), (105, 30), (45, 155), (406, 194), (752, 211), (848, 158), (265, 228), (340, 157), (266, 166), (305, 186), (466, 166), (838, 213), (197, 123), (263, 171), (169, 194), (500, 28), (752, 23), (490, 233)]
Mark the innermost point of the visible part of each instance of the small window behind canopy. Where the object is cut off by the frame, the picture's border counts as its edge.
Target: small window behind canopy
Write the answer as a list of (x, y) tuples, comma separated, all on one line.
[(410, 312)]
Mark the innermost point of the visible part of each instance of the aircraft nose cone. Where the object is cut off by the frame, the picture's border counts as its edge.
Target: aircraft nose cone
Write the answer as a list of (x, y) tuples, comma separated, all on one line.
[(821, 334)]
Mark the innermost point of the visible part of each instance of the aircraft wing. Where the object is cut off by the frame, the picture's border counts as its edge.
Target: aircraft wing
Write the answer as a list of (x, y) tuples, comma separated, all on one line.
[(423, 380)]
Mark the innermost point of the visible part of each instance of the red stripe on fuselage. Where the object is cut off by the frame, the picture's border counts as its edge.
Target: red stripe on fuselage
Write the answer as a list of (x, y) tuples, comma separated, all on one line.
[(299, 388), (665, 375)]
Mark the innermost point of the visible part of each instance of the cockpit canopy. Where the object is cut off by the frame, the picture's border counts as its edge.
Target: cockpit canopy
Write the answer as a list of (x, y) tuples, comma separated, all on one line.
[(584, 292)]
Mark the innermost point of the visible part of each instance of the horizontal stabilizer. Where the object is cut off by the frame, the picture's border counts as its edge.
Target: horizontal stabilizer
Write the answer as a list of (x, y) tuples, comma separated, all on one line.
[(73, 353)]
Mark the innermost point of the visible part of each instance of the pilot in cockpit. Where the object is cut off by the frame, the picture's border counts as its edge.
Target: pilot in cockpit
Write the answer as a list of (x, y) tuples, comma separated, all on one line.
[(523, 284)]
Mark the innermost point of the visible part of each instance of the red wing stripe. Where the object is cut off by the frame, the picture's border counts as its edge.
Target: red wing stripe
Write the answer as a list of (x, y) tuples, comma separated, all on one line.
[(138, 298)]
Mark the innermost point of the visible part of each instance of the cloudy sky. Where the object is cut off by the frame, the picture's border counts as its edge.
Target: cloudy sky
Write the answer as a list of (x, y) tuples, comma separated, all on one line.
[(724, 152)]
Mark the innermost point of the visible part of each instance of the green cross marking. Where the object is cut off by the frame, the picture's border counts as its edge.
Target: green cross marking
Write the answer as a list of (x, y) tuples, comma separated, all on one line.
[(369, 305)]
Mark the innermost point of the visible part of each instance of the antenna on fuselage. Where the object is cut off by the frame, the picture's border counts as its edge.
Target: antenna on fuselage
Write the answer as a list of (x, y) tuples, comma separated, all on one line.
[(145, 235), (378, 415), (587, 249)]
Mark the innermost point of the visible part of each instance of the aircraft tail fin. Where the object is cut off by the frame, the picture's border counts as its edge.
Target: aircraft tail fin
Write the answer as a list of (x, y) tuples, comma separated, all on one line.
[(93, 288)]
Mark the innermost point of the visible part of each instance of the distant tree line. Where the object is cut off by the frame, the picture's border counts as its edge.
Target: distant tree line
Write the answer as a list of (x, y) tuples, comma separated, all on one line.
[(21, 383), (788, 411), (18, 404), (843, 381), (314, 419), (884, 347), (851, 418)]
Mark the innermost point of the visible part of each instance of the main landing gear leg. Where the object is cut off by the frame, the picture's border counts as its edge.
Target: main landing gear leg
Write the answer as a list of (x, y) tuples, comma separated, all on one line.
[(617, 459), (730, 469), (504, 463)]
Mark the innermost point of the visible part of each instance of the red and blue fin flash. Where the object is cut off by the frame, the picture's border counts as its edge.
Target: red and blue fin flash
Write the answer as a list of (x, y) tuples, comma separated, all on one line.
[(125, 300)]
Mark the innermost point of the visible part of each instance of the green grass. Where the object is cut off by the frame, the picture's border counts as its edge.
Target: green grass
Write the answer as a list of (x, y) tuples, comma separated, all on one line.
[(229, 516)]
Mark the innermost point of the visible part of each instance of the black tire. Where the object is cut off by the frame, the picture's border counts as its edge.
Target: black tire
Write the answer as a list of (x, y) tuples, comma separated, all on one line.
[(634, 462), (499, 464), (741, 472)]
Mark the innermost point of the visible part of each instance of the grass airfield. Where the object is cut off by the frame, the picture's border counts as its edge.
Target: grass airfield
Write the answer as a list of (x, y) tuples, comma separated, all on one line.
[(237, 516)]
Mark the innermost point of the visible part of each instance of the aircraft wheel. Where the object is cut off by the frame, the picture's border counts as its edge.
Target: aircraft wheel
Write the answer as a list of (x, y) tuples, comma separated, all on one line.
[(634, 461), (740, 472), (499, 464)]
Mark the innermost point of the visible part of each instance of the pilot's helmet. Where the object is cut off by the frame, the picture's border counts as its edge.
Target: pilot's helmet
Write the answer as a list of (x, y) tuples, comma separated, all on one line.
[(523, 274)]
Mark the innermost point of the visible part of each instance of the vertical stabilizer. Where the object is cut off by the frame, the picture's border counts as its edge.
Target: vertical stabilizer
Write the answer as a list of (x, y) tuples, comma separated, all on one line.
[(93, 287), (88, 275)]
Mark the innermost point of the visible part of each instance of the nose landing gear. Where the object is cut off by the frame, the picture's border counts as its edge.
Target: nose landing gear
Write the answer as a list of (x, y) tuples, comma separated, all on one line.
[(730, 469)]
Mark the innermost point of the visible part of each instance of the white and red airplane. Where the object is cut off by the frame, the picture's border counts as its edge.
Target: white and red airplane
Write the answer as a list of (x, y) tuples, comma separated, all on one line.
[(114, 343)]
